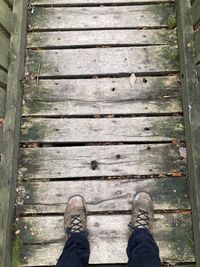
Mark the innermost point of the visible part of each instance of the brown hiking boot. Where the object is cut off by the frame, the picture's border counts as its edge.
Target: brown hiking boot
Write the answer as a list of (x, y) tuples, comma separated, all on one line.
[(75, 219), (142, 212)]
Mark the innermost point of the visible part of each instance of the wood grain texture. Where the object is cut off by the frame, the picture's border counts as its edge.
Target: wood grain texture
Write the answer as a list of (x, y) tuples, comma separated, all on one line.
[(4, 51), (3, 78), (89, 2), (101, 195), (142, 129), (2, 102), (196, 11), (145, 95), (191, 106), (5, 16), (197, 46), (9, 3), (9, 160), (101, 17), (172, 232), (64, 39), (198, 72), (94, 161), (102, 61)]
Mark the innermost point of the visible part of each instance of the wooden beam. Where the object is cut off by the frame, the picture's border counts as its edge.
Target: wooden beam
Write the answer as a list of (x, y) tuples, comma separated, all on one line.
[(11, 131), (191, 106)]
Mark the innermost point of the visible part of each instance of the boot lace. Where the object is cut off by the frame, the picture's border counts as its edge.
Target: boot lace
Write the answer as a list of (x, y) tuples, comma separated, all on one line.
[(75, 225), (142, 220)]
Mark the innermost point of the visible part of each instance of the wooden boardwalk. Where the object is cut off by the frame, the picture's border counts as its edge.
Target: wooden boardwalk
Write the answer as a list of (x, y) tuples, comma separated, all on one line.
[(102, 117)]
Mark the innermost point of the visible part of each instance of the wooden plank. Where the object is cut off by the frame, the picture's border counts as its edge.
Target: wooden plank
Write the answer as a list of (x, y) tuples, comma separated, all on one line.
[(89, 2), (101, 195), (197, 46), (101, 17), (4, 51), (198, 72), (10, 145), (191, 106), (172, 232), (9, 3), (5, 16), (196, 11), (145, 95), (3, 78), (141, 129), (2, 101), (69, 39), (102, 61), (93, 161), (1, 134)]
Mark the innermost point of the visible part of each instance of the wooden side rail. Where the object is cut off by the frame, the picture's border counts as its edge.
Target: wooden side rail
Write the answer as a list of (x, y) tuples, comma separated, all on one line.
[(11, 127), (186, 14)]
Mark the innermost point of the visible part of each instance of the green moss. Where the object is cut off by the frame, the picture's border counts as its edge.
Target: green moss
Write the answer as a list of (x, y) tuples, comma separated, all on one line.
[(170, 57), (16, 261), (184, 244), (172, 22)]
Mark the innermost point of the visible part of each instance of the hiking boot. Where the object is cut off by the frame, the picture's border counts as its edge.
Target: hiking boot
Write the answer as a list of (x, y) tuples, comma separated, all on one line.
[(142, 212), (75, 219)]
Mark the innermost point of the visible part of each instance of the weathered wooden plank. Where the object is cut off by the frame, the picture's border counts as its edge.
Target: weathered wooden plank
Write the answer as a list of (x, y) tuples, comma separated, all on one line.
[(141, 129), (64, 39), (89, 2), (145, 95), (4, 51), (196, 11), (1, 134), (10, 145), (9, 3), (197, 46), (191, 106), (5, 16), (3, 78), (102, 17), (101, 195), (92, 161), (2, 102), (102, 61), (172, 232), (198, 72)]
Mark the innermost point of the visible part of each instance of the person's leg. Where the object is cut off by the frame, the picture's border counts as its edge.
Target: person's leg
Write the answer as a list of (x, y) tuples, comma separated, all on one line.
[(76, 251), (142, 249)]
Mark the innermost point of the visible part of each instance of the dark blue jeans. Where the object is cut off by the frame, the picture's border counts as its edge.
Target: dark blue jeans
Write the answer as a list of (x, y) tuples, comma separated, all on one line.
[(142, 251)]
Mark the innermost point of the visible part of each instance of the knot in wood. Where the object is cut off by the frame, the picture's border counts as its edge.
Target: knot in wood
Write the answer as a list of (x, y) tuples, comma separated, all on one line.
[(94, 165)]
